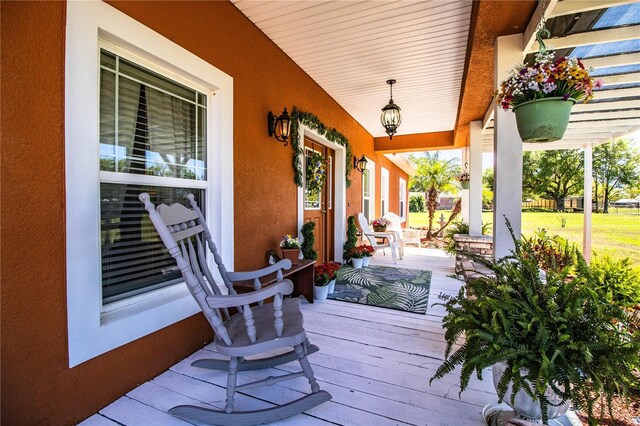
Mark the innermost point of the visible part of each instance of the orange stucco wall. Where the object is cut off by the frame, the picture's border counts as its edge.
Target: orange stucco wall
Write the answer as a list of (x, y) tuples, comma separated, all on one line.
[(37, 385)]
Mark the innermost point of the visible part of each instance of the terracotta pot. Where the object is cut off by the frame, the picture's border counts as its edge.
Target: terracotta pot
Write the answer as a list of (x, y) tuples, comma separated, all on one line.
[(379, 228), (291, 254)]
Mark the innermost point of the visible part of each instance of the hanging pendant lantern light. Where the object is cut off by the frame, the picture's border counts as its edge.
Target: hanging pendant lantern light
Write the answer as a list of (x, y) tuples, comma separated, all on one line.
[(391, 118)]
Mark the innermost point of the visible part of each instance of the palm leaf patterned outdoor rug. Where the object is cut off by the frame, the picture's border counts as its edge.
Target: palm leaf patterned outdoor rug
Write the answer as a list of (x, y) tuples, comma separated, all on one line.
[(394, 288)]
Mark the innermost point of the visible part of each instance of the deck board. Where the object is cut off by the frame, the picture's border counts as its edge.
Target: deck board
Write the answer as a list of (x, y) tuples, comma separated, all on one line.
[(375, 362)]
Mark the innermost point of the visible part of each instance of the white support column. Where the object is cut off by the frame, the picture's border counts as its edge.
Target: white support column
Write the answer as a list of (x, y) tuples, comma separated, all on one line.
[(475, 185), (507, 149), (588, 183), (464, 196)]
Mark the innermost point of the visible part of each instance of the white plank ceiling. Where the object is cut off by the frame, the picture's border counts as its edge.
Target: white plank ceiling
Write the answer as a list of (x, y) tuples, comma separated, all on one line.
[(350, 48)]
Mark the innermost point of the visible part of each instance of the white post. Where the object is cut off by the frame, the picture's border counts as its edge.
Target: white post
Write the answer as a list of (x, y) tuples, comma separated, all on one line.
[(588, 183), (464, 193), (507, 149), (475, 185)]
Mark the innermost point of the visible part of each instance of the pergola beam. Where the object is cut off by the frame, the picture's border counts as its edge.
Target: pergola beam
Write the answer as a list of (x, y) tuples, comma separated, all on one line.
[(632, 113), (606, 106), (616, 93), (569, 7), (589, 38), (613, 61)]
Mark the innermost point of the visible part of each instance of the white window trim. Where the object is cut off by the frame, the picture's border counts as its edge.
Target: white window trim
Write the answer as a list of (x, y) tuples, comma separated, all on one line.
[(384, 189), (92, 329), (371, 167), (402, 189)]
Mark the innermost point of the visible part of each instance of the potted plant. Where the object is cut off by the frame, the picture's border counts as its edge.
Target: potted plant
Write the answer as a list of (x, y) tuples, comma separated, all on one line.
[(290, 248), (380, 225), (368, 252), (352, 238), (464, 178), (542, 94), (551, 335), (356, 255), (308, 238), (325, 278)]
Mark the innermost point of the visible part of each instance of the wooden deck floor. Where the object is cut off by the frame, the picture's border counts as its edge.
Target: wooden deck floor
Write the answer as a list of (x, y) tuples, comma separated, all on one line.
[(375, 362)]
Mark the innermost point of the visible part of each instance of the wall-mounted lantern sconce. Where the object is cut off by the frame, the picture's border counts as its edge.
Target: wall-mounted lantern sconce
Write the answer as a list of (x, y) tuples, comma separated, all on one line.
[(279, 126), (360, 164)]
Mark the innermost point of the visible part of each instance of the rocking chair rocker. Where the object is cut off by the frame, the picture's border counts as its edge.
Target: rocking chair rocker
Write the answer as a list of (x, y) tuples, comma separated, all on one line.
[(253, 330)]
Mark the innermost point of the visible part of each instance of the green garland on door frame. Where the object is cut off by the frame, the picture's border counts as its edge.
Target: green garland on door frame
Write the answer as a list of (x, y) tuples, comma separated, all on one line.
[(332, 135)]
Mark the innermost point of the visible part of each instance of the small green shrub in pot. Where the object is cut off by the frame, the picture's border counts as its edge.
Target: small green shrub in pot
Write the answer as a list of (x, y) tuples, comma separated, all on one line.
[(553, 329)]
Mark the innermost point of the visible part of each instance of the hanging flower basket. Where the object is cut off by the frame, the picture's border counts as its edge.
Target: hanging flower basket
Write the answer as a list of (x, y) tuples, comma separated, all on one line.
[(464, 179), (543, 120), (543, 93)]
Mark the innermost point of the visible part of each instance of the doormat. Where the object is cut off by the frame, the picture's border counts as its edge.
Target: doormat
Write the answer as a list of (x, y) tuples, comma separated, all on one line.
[(393, 288)]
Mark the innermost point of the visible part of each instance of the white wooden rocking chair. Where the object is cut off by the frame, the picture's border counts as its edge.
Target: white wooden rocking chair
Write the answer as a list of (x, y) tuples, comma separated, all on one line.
[(253, 330), (389, 236)]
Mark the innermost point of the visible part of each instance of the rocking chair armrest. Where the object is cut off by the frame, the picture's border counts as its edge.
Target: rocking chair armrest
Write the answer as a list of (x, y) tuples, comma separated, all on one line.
[(251, 275), (283, 287)]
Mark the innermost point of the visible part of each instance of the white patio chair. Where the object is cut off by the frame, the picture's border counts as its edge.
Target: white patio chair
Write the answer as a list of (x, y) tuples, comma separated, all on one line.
[(253, 330), (390, 237), (404, 236)]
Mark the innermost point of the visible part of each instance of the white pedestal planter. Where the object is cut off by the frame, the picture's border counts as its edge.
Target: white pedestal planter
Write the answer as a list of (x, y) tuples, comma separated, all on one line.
[(320, 292), (357, 263), (331, 286)]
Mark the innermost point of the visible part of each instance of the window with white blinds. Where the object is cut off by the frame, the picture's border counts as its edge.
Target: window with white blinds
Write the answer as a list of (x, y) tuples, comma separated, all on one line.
[(152, 139)]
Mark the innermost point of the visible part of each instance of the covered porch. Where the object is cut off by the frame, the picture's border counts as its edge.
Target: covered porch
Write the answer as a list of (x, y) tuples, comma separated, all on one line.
[(375, 362)]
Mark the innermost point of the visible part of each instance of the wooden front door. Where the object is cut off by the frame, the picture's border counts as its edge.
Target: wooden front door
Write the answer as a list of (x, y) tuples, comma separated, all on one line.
[(318, 205)]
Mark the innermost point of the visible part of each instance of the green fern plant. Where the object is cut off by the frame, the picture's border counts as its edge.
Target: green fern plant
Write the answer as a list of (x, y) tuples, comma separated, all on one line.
[(352, 237), (308, 239), (552, 329)]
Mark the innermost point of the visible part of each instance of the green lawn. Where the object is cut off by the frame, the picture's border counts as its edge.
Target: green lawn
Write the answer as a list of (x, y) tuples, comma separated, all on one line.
[(615, 234)]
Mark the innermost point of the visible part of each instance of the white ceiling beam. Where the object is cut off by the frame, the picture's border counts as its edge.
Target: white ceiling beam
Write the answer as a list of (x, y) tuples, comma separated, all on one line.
[(613, 61), (529, 36), (488, 116), (569, 7), (589, 38)]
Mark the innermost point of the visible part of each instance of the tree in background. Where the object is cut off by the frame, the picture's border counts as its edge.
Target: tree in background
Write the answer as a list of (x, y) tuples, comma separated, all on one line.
[(487, 188), (416, 204), (554, 174), (616, 165), (433, 176)]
